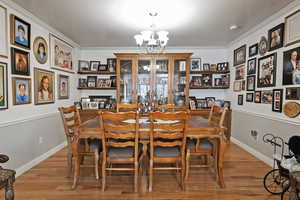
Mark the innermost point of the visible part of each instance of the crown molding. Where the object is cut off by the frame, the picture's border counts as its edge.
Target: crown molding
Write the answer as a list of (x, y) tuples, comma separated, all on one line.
[(135, 49)]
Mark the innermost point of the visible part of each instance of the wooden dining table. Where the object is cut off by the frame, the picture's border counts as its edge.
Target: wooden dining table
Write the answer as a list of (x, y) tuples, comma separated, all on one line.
[(197, 127)]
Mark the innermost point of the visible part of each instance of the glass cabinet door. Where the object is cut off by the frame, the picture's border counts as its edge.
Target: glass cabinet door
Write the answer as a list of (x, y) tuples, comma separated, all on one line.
[(179, 82), (126, 82), (144, 81), (161, 81)]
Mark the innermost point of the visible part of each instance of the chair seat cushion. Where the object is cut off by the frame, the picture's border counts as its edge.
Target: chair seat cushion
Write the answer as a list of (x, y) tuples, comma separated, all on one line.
[(93, 143), (203, 144), (122, 152), (166, 152)]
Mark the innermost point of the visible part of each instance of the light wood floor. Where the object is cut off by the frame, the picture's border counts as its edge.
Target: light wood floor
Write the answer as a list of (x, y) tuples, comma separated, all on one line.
[(243, 175)]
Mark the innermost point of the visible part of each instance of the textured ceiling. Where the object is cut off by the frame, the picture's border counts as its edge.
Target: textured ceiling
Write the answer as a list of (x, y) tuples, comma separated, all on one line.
[(111, 23)]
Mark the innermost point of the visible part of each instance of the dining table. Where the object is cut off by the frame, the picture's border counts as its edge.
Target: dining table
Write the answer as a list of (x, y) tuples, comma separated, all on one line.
[(197, 127)]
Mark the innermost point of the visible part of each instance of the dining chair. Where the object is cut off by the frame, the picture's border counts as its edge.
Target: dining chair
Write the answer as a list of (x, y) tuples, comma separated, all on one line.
[(7, 179), (167, 142), (126, 107), (87, 147), (120, 143), (203, 145), (165, 107)]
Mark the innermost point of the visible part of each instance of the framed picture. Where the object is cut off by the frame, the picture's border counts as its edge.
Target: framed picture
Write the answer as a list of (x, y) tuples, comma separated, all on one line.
[(206, 67), (195, 64), (240, 99), (21, 89), (192, 105), (83, 65), (292, 93), (266, 76), (210, 101), (197, 81), (240, 72), (251, 67), (102, 67), (251, 83), (276, 36), (111, 64), (266, 96), (63, 87), (263, 46), (277, 100), (218, 82), (257, 97), (253, 50), (201, 103), (20, 32), (3, 33), (61, 54), (249, 97), (227, 104), (40, 50), (92, 81), (239, 55), (94, 65), (243, 85), (3, 86), (44, 86), (113, 81), (291, 67), (82, 82), (237, 86), (20, 62), (292, 29)]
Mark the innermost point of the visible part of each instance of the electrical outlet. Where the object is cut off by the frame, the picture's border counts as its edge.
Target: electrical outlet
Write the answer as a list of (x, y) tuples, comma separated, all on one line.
[(41, 140), (254, 134)]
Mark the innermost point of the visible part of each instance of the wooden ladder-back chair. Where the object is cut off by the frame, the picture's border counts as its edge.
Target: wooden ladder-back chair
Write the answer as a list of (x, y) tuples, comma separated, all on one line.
[(165, 107), (205, 145), (126, 107), (71, 120), (120, 143), (167, 142)]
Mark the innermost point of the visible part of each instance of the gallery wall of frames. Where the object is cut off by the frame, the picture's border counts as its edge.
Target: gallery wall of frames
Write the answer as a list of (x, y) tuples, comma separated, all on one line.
[(36, 67), (266, 69)]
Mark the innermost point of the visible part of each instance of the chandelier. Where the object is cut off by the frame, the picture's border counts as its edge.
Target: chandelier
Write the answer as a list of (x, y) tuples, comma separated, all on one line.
[(151, 40)]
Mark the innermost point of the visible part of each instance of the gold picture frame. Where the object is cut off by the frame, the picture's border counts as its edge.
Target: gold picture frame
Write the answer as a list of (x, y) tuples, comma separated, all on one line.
[(3, 33), (21, 90), (292, 37), (40, 44), (44, 86)]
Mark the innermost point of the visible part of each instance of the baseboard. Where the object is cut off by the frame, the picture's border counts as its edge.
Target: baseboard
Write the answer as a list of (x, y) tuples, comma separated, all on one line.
[(39, 159), (252, 151)]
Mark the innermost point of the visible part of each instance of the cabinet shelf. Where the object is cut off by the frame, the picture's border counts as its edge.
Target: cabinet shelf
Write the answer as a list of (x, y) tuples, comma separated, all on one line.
[(96, 88), (97, 72), (209, 72), (209, 87)]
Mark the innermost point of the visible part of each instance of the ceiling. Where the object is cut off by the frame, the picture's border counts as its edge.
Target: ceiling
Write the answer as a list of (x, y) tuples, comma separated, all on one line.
[(113, 23)]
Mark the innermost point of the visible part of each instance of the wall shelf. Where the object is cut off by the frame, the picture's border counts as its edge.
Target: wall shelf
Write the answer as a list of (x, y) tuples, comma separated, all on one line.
[(209, 87), (96, 88), (97, 72), (209, 72)]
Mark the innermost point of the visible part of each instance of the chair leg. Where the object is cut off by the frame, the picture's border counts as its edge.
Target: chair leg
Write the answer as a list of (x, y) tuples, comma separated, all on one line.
[(183, 169), (136, 172), (187, 164), (150, 175), (97, 163), (9, 189), (70, 164), (76, 172), (103, 174)]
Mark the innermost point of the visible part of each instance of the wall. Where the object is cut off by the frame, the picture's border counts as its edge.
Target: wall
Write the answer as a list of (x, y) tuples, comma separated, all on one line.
[(253, 116), (211, 55), (31, 132)]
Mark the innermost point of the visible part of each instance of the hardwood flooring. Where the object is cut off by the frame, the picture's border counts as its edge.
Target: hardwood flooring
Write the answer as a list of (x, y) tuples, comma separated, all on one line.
[(243, 176)]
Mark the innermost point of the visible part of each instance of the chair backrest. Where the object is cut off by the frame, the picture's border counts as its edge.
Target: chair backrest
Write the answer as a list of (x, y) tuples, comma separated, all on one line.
[(120, 130), (165, 107), (217, 115), (168, 130), (126, 107), (71, 119)]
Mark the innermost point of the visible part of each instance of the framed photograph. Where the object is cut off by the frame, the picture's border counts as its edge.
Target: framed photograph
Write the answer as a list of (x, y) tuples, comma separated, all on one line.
[(292, 93), (195, 64), (201, 103), (257, 97), (210, 101), (94, 65), (291, 67), (20, 32), (266, 76), (237, 86), (227, 104), (92, 81), (276, 37), (251, 83), (83, 65), (3, 86), (3, 33), (102, 67), (263, 46), (243, 85), (197, 81), (292, 29), (266, 96), (213, 67), (277, 100), (20, 63), (240, 99), (192, 105), (253, 50), (40, 50), (240, 72), (111, 64), (82, 82), (249, 97), (21, 89), (44, 86), (239, 55), (206, 67), (61, 54), (218, 82), (63, 86), (113, 81), (251, 67), (85, 101)]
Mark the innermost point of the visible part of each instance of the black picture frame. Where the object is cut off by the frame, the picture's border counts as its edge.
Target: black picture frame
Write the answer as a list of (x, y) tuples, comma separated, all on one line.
[(249, 97), (102, 67), (83, 65), (240, 99), (273, 38), (92, 81), (269, 80), (210, 101), (195, 64), (252, 79), (23, 58), (21, 26), (288, 75), (253, 50), (111, 64), (257, 97), (292, 93), (251, 66), (277, 100), (227, 104), (239, 55)]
